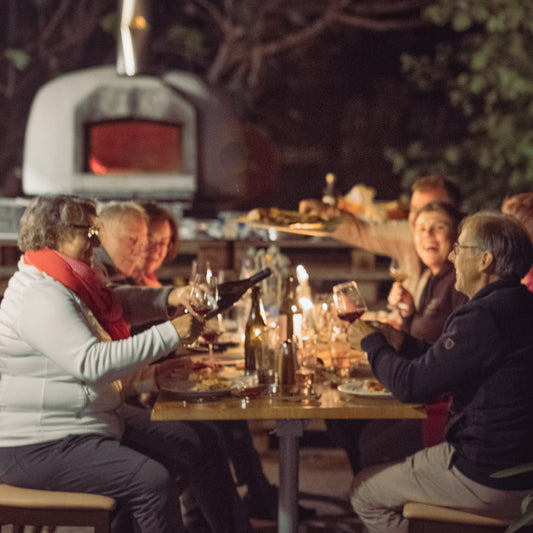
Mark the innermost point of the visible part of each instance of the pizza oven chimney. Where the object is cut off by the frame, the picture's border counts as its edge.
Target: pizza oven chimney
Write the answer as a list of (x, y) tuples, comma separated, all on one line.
[(133, 37)]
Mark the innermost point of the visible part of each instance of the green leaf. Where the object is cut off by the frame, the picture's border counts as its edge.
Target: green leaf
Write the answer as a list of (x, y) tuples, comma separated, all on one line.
[(525, 503), (521, 522), (109, 23), (18, 58), (513, 471), (461, 22)]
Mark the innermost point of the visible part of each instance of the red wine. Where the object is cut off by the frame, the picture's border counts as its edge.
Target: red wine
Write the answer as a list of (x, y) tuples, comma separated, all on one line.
[(351, 316), (230, 291), (211, 335), (201, 310)]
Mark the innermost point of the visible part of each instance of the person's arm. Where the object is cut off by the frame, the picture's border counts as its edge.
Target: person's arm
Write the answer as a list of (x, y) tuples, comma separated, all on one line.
[(53, 323), (142, 305), (470, 342)]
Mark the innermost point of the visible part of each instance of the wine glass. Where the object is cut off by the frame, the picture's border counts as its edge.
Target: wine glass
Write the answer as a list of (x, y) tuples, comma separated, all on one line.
[(307, 362), (399, 275), (348, 302), (213, 329), (396, 272), (203, 295)]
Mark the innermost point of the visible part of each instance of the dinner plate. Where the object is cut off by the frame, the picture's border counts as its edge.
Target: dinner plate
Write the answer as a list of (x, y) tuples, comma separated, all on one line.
[(194, 396), (356, 388)]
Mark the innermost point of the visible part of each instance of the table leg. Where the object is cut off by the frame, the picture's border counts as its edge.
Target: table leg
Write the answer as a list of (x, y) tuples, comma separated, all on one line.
[(288, 432)]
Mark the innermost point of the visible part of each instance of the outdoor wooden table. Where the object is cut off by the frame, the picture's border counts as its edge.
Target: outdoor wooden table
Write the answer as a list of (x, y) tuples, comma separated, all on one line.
[(290, 416)]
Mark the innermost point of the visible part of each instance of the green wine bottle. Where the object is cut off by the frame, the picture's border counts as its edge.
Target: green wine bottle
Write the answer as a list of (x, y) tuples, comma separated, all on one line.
[(254, 332)]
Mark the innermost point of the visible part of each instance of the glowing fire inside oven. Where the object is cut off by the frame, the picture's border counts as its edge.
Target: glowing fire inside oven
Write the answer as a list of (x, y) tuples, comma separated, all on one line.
[(133, 146)]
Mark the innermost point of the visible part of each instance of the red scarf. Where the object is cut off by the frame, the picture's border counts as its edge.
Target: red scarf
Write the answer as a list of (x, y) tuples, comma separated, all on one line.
[(149, 280), (87, 283)]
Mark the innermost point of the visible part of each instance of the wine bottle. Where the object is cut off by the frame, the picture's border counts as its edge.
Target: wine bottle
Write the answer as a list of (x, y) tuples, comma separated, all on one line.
[(287, 364), (254, 331), (230, 291), (290, 312), (329, 195)]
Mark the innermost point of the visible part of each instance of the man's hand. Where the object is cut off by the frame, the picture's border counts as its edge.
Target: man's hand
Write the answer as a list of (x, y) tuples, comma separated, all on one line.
[(188, 327), (171, 370), (360, 329)]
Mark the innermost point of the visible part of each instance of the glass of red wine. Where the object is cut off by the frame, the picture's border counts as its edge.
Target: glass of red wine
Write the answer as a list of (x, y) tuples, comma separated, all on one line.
[(203, 295), (348, 302), (212, 331)]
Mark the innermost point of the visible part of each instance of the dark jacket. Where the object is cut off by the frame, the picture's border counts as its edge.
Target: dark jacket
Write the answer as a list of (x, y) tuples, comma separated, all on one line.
[(437, 301), (485, 359)]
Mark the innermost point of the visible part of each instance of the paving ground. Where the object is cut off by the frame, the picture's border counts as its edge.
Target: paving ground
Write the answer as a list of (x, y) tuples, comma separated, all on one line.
[(325, 477)]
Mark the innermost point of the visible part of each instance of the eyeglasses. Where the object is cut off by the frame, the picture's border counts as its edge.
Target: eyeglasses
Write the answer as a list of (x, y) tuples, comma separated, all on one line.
[(92, 234), (457, 247)]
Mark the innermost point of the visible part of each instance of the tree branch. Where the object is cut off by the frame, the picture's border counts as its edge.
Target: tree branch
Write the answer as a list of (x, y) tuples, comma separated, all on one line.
[(380, 25)]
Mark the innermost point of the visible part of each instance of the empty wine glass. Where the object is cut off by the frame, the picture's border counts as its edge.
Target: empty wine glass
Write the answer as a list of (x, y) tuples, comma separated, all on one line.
[(348, 302)]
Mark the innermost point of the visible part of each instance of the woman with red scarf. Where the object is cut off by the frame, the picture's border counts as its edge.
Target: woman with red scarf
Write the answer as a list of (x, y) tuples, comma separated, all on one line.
[(67, 364)]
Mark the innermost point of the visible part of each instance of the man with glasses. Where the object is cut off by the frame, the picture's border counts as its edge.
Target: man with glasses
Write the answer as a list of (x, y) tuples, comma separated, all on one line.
[(484, 358)]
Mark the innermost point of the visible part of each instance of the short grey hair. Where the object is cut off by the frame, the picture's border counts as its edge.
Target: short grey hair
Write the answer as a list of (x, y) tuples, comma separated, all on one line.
[(48, 220), (506, 238), (116, 210)]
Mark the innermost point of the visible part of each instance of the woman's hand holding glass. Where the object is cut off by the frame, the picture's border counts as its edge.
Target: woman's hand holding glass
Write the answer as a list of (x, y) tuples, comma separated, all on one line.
[(401, 299)]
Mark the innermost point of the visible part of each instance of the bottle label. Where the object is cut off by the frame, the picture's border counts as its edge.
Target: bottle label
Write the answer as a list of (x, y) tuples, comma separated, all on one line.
[(285, 328)]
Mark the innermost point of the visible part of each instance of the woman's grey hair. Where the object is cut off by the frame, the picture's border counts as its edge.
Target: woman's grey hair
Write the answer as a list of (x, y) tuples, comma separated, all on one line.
[(48, 220), (506, 238), (116, 210)]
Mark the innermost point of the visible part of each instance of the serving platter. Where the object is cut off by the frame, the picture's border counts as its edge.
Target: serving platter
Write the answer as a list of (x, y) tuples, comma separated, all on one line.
[(290, 221)]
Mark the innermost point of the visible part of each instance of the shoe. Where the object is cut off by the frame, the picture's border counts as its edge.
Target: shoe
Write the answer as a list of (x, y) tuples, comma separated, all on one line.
[(267, 508)]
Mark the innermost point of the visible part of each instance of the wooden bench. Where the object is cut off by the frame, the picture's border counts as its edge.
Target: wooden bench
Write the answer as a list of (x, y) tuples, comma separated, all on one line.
[(40, 508)]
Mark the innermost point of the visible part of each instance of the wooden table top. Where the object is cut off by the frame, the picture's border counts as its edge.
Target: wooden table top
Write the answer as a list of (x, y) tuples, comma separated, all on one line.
[(331, 404)]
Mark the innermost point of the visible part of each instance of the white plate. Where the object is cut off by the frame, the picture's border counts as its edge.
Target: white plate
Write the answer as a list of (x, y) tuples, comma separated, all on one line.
[(356, 388), (195, 396)]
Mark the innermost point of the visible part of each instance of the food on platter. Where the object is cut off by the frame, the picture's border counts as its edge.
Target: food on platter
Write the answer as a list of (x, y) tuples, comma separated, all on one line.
[(213, 384), (205, 368), (360, 202), (291, 220), (373, 385), (284, 217), (370, 388)]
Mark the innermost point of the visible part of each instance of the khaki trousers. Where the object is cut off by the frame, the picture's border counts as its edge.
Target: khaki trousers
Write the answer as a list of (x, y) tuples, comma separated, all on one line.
[(378, 493)]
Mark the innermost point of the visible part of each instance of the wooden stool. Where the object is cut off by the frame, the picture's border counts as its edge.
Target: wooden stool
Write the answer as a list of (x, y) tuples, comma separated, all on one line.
[(31, 507), (428, 518)]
